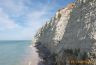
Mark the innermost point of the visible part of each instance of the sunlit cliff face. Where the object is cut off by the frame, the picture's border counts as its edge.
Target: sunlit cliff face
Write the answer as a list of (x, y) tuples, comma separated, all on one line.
[(70, 6)]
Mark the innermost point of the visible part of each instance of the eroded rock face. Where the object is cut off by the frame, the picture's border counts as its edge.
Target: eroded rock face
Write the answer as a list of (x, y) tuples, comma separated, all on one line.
[(72, 29), (52, 33)]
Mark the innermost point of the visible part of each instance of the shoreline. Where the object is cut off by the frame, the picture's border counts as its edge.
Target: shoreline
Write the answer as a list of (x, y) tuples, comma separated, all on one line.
[(40, 55), (32, 57)]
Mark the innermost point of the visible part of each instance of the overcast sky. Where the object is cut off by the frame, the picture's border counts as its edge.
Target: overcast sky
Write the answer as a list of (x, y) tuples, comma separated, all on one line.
[(20, 19)]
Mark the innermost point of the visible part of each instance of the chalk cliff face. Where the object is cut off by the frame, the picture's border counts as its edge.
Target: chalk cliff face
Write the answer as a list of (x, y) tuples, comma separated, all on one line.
[(71, 33)]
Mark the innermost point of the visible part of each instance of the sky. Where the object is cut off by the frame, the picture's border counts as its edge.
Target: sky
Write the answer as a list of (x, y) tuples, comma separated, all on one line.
[(20, 19)]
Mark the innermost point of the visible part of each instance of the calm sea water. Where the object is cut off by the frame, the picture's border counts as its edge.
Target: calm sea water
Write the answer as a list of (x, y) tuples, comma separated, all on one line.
[(15, 52)]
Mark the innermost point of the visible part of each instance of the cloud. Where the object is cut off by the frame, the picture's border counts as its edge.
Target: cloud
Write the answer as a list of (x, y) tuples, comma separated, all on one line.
[(6, 22), (20, 19), (36, 16), (11, 14), (12, 6)]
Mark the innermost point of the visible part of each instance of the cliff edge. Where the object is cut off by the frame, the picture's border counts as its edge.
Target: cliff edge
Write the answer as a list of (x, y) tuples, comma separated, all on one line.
[(71, 34)]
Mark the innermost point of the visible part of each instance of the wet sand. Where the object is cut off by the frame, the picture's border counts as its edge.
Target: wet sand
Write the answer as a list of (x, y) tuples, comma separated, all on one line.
[(35, 59), (38, 55), (32, 56)]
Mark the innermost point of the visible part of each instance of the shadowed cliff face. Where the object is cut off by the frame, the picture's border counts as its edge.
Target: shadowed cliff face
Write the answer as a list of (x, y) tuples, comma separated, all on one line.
[(81, 28), (71, 34), (80, 32)]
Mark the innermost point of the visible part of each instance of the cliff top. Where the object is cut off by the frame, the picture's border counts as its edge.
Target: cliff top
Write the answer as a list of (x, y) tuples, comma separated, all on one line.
[(69, 6)]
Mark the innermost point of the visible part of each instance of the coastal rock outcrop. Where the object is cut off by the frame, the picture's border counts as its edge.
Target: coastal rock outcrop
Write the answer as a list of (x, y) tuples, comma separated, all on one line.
[(71, 34)]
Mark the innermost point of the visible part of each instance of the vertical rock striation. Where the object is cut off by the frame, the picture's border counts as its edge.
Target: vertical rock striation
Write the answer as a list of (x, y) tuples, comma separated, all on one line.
[(71, 34)]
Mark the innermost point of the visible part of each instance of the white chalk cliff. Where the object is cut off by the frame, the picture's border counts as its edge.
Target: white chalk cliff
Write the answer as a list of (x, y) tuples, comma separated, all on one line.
[(71, 33)]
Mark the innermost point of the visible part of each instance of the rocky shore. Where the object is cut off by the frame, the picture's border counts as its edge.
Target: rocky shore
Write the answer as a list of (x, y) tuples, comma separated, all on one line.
[(45, 55)]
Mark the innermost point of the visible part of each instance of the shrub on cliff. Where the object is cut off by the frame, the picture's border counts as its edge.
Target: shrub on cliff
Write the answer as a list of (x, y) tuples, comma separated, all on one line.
[(59, 15), (84, 56)]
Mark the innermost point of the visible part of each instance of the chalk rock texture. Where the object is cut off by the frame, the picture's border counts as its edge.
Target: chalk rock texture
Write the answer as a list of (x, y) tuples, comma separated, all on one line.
[(71, 33)]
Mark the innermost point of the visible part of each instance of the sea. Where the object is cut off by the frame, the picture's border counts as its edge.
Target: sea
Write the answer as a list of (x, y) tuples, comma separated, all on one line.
[(15, 52)]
